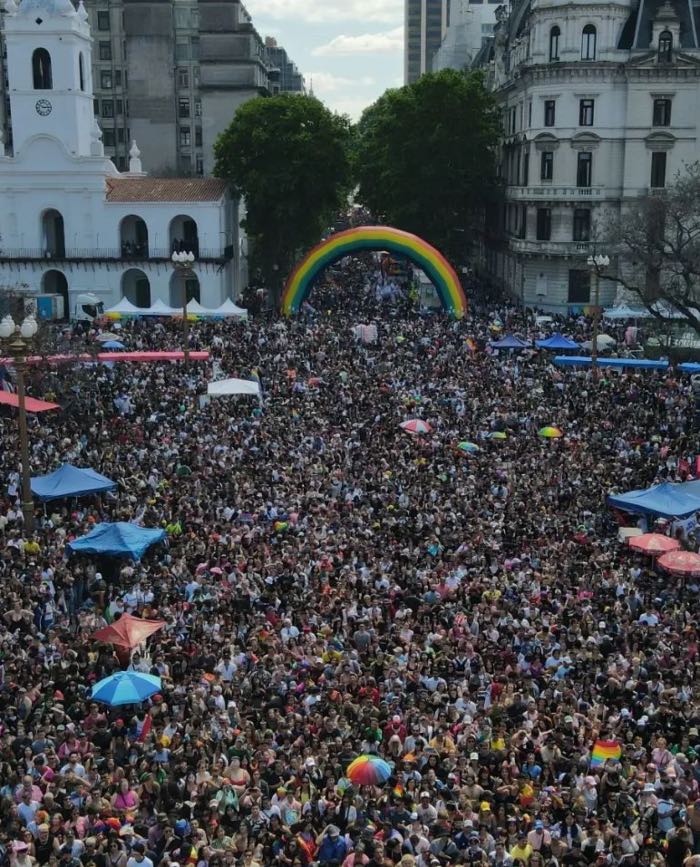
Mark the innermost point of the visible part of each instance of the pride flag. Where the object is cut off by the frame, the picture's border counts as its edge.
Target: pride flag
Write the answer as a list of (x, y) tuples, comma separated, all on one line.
[(604, 751)]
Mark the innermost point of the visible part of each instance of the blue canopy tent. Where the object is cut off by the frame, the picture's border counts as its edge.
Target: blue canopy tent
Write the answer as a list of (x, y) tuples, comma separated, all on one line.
[(510, 341), (557, 341), (117, 540), (669, 499), (689, 367), (585, 361), (70, 481)]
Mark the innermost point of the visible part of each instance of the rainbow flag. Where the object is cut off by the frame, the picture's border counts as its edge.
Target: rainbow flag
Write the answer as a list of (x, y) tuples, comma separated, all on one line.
[(604, 751), (471, 344), (399, 790)]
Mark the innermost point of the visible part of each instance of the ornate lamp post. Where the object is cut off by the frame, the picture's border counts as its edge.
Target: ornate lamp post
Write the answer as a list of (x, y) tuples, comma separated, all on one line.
[(18, 339), (183, 263), (596, 264)]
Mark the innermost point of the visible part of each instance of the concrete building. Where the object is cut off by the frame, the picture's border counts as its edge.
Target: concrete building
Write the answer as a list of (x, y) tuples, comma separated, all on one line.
[(425, 23), (284, 74), (470, 26), (171, 73), (601, 104), (71, 222)]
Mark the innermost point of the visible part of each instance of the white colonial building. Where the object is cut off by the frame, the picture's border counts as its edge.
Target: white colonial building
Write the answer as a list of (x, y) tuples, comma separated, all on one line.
[(601, 104), (70, 223)]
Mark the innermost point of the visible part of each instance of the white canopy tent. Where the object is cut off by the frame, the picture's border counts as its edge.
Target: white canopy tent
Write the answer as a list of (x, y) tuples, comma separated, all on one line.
[(624, 311), (230, 308), (234, 386), (195, 308), (160, 308), (125, 308)]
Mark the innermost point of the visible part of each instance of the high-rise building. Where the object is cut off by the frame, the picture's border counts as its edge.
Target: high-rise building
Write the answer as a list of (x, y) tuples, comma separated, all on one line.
[(170, 75), (426, 22), (284, 75), (471, 25)]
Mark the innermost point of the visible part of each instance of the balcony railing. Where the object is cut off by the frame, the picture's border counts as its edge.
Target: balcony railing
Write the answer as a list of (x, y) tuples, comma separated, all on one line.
[(101, 254), (552, 192), (551, 248)]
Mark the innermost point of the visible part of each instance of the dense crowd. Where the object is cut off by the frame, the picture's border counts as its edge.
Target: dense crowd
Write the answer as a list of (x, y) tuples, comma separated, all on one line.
[(333, 586)]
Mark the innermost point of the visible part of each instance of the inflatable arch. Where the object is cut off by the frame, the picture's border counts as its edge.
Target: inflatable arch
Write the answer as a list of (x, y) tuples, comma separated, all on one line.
[(376, 238)]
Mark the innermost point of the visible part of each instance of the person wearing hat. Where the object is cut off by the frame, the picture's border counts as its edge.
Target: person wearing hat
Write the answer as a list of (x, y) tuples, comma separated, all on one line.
[(539, 836), (332, 848)]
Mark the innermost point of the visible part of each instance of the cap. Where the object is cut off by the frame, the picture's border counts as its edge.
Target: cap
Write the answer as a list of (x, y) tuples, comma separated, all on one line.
[(474, 757), (484, 806), (334, 830), (539, 825), (425, 794)]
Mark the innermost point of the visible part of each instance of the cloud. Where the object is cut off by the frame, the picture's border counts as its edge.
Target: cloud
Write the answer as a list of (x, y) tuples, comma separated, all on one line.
[(326, 82), (387, 42), (323, 11)]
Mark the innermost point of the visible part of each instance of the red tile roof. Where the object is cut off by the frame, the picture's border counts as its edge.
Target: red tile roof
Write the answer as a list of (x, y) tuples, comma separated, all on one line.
[(165, 189)]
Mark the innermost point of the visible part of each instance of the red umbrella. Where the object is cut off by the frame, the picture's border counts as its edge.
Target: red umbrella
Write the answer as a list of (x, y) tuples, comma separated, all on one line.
[(416, 426), (128, 631), (681, 563), (653, 543)]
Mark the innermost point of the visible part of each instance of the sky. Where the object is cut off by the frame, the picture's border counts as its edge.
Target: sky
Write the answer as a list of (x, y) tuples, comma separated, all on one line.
[(350, 50)]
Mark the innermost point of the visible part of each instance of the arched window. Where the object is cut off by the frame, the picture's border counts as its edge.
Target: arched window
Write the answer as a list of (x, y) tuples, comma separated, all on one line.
[(554, 35), (588, 40), (41, 69), (665, 46), (81, 70)]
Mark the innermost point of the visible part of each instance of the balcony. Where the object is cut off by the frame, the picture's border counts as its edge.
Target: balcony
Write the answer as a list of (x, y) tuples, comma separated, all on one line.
[(105, 254), (565, 249), (552, 193)]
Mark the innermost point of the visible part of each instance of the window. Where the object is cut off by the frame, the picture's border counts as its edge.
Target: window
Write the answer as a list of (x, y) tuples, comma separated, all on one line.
[(103, 20), (544, 224), (183, 78), (81, 70), (522, 221), (584, 169), (182, 51), (119, 107), (658, 169), (665, 46), (108, 138), (120, 135), (194, 48), (200, 165), (41, 69), (96, 107), (197, 107), (107, 108), (582, 224), (554, 35), (549, 112), (117, 77), (105, 50), (185, 136), (547, 166), (579, 287), (585, 112), (662, 112), (198, 136), (105, 79), (588, 40), (529, 114), (183, 107)]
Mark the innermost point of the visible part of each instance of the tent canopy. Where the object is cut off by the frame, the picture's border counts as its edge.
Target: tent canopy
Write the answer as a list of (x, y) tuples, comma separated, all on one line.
[(557, 341), (585, 361), (160, 308), (234, 386), (117, 540), (624, 311), (229, 308), (31, 404), (128, 631), (125, 308), (70, 481), (510, 341), (669, 499)]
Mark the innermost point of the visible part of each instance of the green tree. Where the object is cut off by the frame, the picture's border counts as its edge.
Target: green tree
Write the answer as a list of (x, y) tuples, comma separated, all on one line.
[(425, 157), (288, 156)]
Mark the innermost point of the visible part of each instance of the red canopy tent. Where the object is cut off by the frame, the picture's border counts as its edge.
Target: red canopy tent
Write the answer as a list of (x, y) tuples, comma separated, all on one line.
[(31, 404), (128, 631)]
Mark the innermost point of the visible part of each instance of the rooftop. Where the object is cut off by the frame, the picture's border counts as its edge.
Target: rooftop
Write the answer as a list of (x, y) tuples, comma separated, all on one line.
[(165, 189)]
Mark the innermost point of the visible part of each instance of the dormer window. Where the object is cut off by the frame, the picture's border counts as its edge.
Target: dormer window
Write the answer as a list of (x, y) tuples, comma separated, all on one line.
[(665, 46), (554, 35), (41, 70)]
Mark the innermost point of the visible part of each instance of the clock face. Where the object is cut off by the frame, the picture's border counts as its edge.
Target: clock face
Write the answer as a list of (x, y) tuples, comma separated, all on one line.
[(43, 107)]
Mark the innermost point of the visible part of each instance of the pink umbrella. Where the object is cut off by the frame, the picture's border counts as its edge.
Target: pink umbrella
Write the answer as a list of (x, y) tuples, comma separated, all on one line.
[(653, 543), (416, 426), (681, 563)]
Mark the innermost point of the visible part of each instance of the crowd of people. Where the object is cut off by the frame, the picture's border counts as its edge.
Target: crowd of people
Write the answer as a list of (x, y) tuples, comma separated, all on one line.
[(334, 586)]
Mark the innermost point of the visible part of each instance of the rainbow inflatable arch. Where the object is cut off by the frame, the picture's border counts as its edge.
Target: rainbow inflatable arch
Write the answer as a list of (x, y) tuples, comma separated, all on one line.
[(376, 238)]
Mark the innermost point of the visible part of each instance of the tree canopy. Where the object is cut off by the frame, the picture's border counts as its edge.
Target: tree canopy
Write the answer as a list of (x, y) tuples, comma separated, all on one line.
[(657, 240), (425, 157), (288, 156)]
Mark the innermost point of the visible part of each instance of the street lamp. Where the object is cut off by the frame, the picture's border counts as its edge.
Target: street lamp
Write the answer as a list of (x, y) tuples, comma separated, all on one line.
[(183, 263), (19, 338), (596, 264)]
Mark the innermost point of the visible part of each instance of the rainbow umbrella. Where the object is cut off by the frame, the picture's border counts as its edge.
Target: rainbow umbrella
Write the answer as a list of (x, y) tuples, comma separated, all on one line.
[(468, 447), (368, 771), (416, 426), (550, 433), (497, 435)]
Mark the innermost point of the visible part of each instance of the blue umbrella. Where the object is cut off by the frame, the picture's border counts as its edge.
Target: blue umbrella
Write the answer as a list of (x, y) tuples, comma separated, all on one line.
[(125, 687), (113, 344)]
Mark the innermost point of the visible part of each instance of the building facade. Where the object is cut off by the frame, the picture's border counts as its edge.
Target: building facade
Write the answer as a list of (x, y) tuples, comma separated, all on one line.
[(600, 103), (425, 24), (284, 74), (470, 28), (170, 74), (71, 222)]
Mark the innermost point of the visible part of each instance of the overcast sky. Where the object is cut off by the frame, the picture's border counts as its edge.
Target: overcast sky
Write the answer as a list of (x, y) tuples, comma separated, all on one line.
[(352, 50)]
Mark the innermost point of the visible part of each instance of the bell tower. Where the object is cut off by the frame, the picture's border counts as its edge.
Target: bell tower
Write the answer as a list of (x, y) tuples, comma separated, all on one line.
[(49, 68)]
